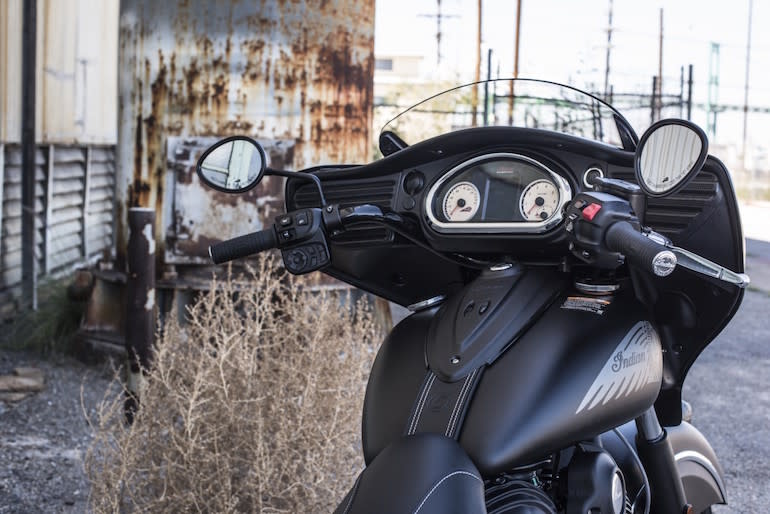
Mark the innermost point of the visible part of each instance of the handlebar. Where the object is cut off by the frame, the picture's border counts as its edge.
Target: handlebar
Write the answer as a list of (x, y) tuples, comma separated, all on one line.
[(639, 250), (243, 246)]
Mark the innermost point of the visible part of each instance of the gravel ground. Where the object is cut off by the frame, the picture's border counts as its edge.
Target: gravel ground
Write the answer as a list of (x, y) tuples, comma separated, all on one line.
[(43, 438)]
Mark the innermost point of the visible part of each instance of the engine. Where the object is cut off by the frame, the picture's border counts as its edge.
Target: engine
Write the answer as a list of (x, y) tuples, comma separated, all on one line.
[(590, 481)]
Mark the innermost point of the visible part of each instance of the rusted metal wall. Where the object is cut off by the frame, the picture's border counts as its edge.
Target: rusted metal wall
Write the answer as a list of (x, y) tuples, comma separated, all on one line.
[(298, 72)]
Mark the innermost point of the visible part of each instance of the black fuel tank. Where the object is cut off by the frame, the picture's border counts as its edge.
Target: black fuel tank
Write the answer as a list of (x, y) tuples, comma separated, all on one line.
[(581, 369)]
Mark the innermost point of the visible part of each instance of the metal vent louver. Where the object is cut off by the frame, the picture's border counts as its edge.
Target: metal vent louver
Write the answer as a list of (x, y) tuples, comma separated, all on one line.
[(347, 194)]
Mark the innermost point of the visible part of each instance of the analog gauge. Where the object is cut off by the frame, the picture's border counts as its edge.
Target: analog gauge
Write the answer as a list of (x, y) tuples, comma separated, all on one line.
[(461, 202), (539, 201)]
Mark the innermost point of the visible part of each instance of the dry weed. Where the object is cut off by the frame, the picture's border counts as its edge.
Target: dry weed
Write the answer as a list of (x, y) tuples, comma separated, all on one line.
[(252, 406)]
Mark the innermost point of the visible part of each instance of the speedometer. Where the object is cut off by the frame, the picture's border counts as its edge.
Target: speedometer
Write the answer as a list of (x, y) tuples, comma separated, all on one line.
[(461, 202), (539, 200)]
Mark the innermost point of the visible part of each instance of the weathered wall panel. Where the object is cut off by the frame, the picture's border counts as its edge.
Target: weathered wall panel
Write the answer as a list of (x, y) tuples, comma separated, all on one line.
[(274, 69), (74, 204), (77, 48)]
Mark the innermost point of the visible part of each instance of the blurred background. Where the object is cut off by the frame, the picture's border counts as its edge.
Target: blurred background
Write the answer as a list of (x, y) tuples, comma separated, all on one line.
[(122, 96)]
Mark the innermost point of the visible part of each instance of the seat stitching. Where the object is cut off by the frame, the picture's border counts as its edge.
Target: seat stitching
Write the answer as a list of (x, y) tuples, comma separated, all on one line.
[(423, 387), (440, 482), (422, 404), (458, 404), (350, 501), (465, 395)]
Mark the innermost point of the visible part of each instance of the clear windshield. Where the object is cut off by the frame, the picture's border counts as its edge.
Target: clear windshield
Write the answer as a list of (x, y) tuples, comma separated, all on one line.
[(513, 102)]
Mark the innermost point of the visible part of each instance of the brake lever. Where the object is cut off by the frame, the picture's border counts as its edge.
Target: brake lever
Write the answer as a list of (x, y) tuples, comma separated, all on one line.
[(706, 267), (698, 264)]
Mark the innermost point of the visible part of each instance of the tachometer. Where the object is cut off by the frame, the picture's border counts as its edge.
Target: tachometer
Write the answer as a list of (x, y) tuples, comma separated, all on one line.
[(539, 200), (461, 202)]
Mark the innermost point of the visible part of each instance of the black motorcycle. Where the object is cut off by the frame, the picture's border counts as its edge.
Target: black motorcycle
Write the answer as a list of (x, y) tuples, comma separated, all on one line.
[(540, 245)]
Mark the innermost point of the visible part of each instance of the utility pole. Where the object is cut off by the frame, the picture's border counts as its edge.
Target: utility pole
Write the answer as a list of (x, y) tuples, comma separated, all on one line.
[(659, 106), (746, 85), (713, 98), (607, 62), (439, 16), (511, 99), (477, 77)]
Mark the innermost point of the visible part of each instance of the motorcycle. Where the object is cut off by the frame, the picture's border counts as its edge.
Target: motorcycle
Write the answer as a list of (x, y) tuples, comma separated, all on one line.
[(540, 246)]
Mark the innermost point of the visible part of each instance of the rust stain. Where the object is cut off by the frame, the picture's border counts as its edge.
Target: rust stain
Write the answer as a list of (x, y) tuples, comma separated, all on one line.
[(297, 70)]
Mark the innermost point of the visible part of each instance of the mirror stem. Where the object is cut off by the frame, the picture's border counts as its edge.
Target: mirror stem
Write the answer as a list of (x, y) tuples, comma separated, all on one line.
[(300, 174)]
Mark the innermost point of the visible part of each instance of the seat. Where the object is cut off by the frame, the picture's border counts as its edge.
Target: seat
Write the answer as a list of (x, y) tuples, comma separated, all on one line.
[(418, 474)]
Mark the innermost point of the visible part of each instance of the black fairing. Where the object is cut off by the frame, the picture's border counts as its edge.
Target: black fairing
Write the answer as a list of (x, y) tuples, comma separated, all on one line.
[(703, 218), (527, 402)]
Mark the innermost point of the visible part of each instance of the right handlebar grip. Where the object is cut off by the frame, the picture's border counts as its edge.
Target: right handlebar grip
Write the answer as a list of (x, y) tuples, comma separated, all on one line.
[(243, 246), (639, 250)]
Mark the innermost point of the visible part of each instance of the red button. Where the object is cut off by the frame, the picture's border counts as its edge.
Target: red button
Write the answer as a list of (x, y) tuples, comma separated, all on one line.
[(590, 211)]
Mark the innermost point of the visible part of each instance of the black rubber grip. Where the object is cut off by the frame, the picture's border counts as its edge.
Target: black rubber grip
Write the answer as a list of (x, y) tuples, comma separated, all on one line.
[(243, 246), (639, 250)]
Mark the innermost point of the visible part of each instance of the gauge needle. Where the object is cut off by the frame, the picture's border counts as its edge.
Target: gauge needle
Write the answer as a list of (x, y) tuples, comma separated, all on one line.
[(534, 205)]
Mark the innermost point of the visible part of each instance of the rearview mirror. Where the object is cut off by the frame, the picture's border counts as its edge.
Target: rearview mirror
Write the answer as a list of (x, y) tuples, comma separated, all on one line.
[(669, 154), (232, 165)]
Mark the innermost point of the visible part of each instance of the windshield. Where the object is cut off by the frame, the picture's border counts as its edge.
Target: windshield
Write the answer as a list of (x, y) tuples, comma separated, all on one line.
[(515, 103)]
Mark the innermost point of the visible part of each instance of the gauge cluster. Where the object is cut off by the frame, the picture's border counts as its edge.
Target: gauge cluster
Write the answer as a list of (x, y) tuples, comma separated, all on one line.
[(499, 192)]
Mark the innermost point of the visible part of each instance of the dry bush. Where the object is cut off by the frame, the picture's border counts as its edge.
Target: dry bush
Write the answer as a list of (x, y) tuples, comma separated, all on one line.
[(253, 406)]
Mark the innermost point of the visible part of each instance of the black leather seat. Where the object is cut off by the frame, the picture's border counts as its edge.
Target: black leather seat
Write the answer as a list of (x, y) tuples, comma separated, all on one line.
[(418, 474)]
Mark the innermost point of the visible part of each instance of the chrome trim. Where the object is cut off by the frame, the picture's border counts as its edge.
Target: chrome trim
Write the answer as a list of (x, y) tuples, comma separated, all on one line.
[(565, 195), (589, 170), (584, 287), (425, 304), (699, 458), (501, 267)]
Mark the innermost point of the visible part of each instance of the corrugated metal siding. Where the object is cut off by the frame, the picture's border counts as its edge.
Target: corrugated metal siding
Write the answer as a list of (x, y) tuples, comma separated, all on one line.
[(10, 240), (74, 202), (77, 49)]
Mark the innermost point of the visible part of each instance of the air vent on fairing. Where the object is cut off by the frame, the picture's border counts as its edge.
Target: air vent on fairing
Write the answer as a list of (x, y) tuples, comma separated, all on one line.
[(672, 214), (348, 194)]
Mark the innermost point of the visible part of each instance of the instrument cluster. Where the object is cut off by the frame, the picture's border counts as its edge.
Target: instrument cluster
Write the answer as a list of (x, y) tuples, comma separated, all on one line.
[(499, 192)]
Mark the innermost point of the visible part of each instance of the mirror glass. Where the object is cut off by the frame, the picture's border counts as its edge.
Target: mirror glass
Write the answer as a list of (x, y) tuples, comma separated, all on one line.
[(669, 154), (232, 165)]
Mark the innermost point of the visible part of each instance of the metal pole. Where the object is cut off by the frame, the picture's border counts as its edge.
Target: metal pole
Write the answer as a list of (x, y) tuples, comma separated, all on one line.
[(475, 90), (28, 151), (660, 67), (689, 92), (607, 62), (511, 97), (653, 99), (140, 290), (681, 90), (746, 84), (486, 87)]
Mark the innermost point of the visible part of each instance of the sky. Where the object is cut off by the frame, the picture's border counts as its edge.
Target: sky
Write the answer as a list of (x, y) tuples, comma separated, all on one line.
[(566, 41)]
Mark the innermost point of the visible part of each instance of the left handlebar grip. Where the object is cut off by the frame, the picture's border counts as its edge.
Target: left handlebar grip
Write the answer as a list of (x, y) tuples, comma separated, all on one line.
[(243, 246)]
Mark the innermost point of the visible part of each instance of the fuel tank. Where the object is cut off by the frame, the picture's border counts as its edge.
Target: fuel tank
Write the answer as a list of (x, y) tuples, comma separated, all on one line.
[(582, 366)]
